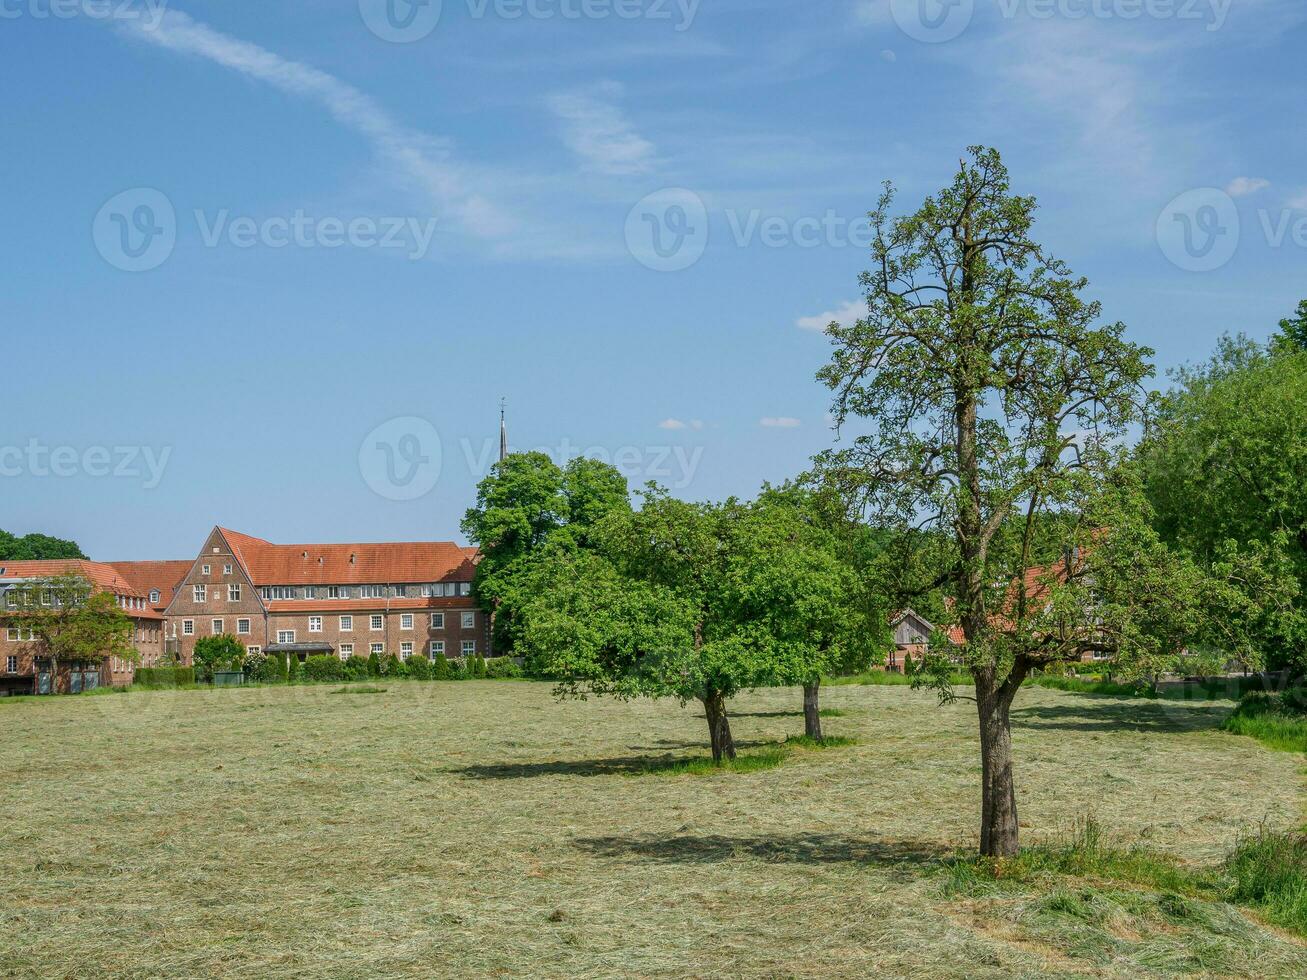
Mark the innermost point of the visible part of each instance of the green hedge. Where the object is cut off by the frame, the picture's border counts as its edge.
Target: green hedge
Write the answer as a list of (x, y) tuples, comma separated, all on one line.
[(164, 677), (324, 667)]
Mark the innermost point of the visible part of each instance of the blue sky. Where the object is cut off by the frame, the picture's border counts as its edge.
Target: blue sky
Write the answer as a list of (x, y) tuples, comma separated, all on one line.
[(351, 246)]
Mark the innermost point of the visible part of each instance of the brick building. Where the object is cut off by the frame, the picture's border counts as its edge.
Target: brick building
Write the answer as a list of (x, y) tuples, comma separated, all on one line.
[(341, 599), (23, 668)]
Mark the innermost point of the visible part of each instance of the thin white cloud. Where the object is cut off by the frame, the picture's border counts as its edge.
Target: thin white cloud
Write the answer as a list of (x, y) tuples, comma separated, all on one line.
[(1299, 203), (597, 131), (846, 315), (779, 422), (1243, 186), (676, 425), (414, 156)]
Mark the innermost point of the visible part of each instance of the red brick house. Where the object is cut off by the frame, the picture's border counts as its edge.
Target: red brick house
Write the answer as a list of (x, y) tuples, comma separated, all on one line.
[(23, 669), (297, 600)]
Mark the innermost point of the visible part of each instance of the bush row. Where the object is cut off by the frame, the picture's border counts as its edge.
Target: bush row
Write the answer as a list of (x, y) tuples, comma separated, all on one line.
[(162, 677), (328, 668)]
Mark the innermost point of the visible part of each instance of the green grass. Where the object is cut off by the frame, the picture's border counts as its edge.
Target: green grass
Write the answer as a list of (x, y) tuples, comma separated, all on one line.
[(1277, 720), (1269, 872), (361, 689), (486, 829), (1080, 685)]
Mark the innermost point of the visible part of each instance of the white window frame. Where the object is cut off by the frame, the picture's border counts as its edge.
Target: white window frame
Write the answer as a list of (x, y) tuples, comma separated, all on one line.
[(377, 648), (469, 648), (242, 627), (282, 634), (468, 620), (206, 569), (188, 627), (437, 621), (406, 621), (346, 651), (233, 592), (376, 623), (254, 651), (347, 624), (405, 651), (11, 664), (226, 568), (315, 620), (437, 648), (215, 627), (199, 593)]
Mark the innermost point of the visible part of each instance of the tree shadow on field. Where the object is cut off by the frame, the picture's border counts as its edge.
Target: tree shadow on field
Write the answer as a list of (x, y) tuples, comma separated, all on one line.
[(911, 856), (630, 765), (1094, 714)]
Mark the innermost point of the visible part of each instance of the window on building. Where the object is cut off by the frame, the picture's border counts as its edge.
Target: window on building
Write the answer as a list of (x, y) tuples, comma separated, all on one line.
[(315, 624), (346, 623), (242, 627), (437, 648), (200, 593), (285, 636), (378, 648), (377, 623), (469, 620), (310, 592), (217, 627), (469, 648), (373, 591), (406, 621), (401, 591), (234, 592), (266, 592), (188, 627), (338, 592), (254, 651), (437, 621), (11, 664), (405, 650), (465, 588), (226, 569), (205, 569), (346, 651)]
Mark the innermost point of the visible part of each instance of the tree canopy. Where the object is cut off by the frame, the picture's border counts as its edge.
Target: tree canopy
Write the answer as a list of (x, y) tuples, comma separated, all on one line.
[(70, 621), (36, 547)]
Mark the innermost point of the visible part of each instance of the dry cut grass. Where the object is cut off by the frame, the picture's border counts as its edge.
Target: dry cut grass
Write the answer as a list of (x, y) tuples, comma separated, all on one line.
[(483, 829)]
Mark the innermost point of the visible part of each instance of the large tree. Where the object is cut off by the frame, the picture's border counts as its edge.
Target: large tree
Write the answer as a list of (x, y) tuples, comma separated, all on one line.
[(70, 621), (36, 547), (1226, 461), (686, 600), (526, 500), (992, 398)]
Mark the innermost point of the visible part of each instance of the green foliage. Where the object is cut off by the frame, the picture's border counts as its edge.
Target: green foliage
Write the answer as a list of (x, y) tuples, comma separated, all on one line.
[(36, 547), (324, 667), (374, 665), (218, 653), (392, 666), (71, 621), (439, 668), (357, 668), (1292, 337), (457, 670), (1226, 461), (155, 678), (294, 670), (419, 667), (271, 669), (502, 668)]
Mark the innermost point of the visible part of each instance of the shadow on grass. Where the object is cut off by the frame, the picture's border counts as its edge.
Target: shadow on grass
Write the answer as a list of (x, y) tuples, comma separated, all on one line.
[(793, 848), (1100, 714), (825, 713)]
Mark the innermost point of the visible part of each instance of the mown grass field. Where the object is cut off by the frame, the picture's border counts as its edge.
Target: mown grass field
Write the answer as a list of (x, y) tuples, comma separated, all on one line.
[(484, 829)]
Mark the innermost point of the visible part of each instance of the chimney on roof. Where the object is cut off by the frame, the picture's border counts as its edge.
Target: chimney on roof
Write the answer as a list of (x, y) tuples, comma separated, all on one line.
[(306, 554), (351, 559)]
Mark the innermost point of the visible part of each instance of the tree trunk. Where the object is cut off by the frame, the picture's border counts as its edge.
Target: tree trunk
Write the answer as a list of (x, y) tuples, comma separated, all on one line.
[(812, 709), (999, 829), (719, 727)]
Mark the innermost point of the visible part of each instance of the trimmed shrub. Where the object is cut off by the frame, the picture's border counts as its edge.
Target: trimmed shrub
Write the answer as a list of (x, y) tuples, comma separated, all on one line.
[(501, 668), (476, 667), (164, 677), (374, 665), (356, 668), (457, 670), (392, 666), (419, 667), (270, 670), (326, 667), (439, 668), (294, 670)]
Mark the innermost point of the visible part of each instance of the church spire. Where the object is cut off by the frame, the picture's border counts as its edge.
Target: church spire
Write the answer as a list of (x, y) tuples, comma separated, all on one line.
[(503, 430)]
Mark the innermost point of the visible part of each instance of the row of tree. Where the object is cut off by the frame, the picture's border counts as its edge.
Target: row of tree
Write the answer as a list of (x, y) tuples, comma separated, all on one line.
[(36, 547), (983, 474)]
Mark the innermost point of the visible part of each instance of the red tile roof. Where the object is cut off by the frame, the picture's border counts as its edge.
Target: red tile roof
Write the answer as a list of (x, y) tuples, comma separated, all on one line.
[(148, 576), (367, 605), (99, 574), (351, 564)]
